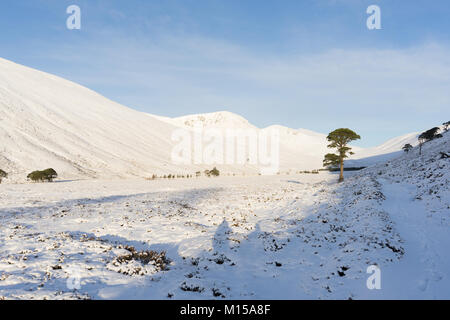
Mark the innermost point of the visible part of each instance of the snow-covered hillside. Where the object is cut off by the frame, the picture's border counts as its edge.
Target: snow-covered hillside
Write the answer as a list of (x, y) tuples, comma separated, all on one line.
[(46, 121), (417, 199), (382, 153), (428, 172)]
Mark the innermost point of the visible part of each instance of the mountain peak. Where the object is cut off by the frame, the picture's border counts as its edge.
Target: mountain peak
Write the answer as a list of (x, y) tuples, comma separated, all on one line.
[(220, 119)]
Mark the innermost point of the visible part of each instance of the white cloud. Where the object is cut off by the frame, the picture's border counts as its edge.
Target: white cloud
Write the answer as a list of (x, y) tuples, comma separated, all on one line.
[(180, 75)]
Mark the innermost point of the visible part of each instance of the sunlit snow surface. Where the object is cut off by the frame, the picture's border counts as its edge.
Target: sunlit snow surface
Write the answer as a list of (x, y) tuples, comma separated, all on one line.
[(256, 237)]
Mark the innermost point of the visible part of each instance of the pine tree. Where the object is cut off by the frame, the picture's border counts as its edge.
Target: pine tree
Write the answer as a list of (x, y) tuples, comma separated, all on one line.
[(340, 138), (407, 147), (428, 135)]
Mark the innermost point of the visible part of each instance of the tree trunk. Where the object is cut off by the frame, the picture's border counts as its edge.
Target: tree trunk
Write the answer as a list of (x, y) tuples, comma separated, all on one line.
[(341, 175)]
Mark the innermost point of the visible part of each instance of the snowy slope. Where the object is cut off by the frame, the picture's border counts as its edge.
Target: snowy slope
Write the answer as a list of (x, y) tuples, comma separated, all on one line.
[(46, 121), (382, 153), (300, 149), (417, 198), (427, 172)]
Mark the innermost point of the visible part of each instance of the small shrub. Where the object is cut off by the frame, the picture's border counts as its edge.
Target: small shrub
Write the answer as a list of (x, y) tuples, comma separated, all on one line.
[(44, 175), (159, 259), (3, 175), (215, 172), (139, 262), (50, 174)]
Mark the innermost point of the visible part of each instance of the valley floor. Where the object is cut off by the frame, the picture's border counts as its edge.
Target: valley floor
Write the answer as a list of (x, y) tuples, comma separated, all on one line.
[(280, 237)]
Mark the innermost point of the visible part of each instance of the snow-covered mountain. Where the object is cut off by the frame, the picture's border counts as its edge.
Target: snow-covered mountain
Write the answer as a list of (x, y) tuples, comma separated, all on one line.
[(300, 149), (220, 120), (46, 121)]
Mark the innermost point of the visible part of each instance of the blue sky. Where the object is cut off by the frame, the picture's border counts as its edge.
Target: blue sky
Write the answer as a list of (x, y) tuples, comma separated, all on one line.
[(304, 64)]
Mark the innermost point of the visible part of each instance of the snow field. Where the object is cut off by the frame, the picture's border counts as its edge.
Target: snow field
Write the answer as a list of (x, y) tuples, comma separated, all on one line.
[(235, 238)]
